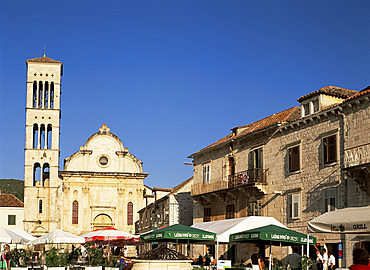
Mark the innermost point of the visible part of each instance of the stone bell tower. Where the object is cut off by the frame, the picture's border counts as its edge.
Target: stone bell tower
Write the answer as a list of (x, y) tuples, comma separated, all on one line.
[(42, 186)]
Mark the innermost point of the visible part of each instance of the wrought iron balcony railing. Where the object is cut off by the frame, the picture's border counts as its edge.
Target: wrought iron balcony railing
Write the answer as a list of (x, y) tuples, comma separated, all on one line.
[(238, 179), (247, 177)]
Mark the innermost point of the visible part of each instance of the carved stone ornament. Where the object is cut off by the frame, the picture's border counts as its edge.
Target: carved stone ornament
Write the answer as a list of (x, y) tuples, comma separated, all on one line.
[(104, 129), (66, 190), (85, 190)]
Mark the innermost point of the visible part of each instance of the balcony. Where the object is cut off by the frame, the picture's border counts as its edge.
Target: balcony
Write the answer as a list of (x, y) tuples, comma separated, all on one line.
[(356, 156), (213, 185), (244, 178), (254, 176), (357, 165)]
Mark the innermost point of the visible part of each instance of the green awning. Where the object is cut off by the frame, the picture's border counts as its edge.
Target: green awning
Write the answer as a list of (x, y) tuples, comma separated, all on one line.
[(179, 233), (272, 234)]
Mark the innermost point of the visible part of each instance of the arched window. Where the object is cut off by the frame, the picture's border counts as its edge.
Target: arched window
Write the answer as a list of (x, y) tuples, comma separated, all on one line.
[(34, 100), (49, 137), (35, 135), (46, 96), (40, 206), (45, 173), (42, 136), (51, 95), (41, 94), (130, 214), (36, 173), (75, 212)]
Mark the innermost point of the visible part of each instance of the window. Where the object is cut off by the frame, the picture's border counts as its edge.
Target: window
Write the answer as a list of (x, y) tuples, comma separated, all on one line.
[(207, 214), (45, 173), (255, 208), (230, 211), (40, 94), (51, 95), (75, 212), (40, 206), (330, 199), (34, 94), (103, 160), (36, 173), (255, 159), (11, 219), (35, 136), (316, 105), (231, 166), (306, 108), (294, 159), (49, 137), (330, 149), (42, 136), (46, 97), (130, 212), (294, 204), (206, 172)]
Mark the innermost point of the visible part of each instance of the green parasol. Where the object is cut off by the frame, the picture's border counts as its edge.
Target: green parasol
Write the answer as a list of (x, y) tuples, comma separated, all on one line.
[(178, 233), (272, 234)]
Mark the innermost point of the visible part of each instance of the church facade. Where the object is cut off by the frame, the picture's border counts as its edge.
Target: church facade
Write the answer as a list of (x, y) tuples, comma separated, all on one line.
[(101, 184)]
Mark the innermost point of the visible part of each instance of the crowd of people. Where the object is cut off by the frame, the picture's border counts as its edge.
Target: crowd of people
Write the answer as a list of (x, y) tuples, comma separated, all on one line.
[(324, 261)]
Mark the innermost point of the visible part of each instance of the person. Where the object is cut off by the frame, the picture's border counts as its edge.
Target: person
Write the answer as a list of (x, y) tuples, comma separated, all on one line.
[(122, 262), (6, 256), (294, 259), (207, 262), (318, 260), (266, 262), (331, 261), (360, 260), (200, 260), (256, 260), (324, 259), (83, 252)]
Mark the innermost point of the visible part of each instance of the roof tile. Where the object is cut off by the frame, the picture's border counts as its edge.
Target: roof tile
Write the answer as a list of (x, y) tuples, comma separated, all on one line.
[(9, 200), (43, 59), (334, 91), (288, 115)]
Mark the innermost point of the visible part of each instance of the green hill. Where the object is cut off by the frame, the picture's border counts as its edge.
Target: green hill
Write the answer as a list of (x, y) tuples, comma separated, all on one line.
[(12, 186)]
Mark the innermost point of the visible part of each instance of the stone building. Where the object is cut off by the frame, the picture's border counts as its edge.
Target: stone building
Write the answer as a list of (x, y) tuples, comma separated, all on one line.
[(171, 206), (101, 184), (289, 166)]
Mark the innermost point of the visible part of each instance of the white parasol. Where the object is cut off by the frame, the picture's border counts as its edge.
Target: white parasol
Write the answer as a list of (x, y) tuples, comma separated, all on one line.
[(23, 233), (347, 220), (9, 237), (58, 237)]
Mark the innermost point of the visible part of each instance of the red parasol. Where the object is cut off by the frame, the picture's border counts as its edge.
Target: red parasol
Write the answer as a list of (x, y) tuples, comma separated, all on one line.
[(109, 234)]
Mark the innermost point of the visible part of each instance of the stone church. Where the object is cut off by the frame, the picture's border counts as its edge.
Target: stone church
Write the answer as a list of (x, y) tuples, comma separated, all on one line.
[(101, 184)]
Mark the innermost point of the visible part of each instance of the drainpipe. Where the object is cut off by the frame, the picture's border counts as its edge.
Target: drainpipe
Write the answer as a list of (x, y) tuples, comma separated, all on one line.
[(343, 134)]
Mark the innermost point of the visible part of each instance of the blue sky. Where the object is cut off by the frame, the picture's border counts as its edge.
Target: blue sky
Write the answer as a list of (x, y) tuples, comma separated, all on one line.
[(171, 77)]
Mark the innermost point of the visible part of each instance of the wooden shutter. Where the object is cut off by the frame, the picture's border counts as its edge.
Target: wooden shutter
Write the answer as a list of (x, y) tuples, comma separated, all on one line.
[(260, 158), (330, 149), (294, 159)]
